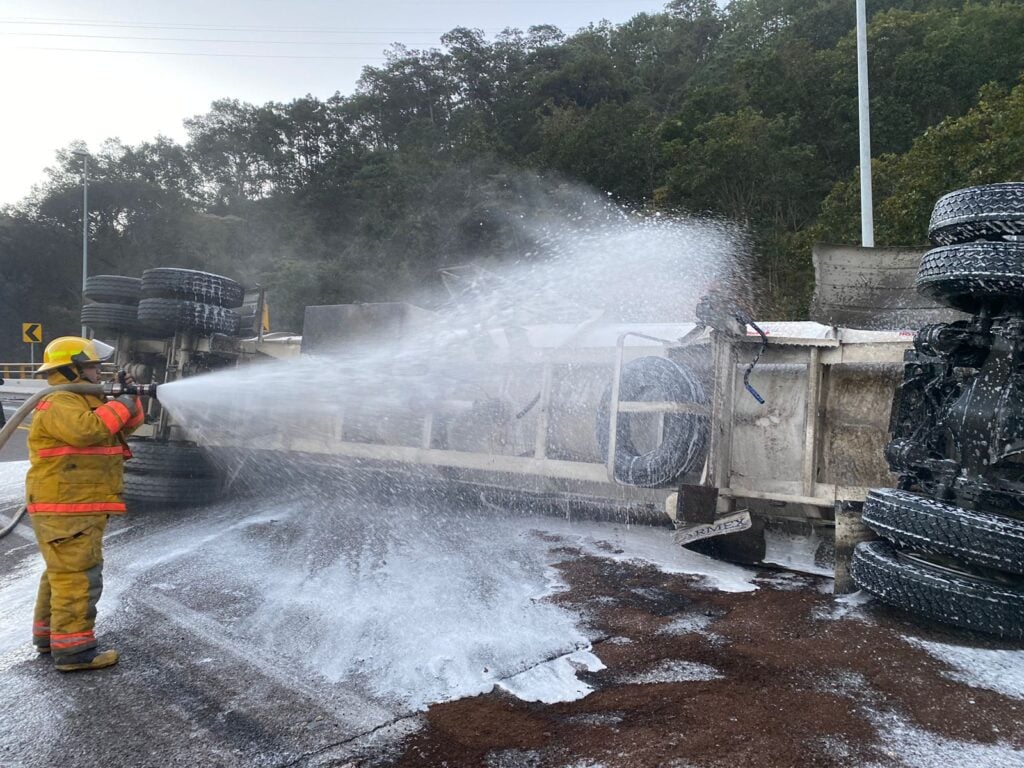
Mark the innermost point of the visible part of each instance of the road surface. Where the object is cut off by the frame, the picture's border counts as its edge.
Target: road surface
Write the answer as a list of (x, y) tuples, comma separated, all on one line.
[(314, 628)]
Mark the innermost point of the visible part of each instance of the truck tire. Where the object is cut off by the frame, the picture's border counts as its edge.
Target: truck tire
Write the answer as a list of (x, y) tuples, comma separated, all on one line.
[(165, 316), (973, 276), (204, 287), (113, 289), (175, 459), (960, 599), (989, 212), (655, 379), (112, 317), (157, 490), (919, 523)]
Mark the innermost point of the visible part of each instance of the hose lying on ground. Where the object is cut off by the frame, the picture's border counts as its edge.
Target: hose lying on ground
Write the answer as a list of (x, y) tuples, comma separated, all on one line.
[(26, 408), (10, 526)]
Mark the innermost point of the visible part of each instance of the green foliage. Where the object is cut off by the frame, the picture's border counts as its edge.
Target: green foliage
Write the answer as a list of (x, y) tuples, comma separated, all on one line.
[(612, 147), (743, 165), (747, 112), (984, 146), (42, 281)]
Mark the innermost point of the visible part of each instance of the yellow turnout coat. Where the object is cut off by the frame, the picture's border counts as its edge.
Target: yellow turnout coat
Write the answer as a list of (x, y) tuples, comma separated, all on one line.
[(77, 454)]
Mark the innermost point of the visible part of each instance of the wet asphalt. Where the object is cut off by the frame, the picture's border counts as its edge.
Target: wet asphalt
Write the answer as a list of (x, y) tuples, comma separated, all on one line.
[(231, 656), (189, 690), (15, 449)]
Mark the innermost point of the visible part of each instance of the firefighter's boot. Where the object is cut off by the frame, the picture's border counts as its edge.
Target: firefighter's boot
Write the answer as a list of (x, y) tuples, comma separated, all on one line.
[(90, 659)]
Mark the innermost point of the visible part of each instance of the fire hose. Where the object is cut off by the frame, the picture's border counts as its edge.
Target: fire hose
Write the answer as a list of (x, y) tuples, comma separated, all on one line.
[(107, 389)]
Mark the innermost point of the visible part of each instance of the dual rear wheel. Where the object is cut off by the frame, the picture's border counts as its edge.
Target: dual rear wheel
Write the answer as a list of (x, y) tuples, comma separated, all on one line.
[(169, 473), (957, 566), (162, 302), (953, 565), (979, 262)]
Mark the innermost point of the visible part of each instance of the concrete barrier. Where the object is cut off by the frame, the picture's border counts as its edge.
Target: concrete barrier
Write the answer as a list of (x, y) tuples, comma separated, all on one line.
[(872, 288), (21, 386)]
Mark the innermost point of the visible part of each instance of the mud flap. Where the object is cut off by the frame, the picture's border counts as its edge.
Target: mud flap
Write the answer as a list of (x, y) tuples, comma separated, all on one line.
[(734, 522), (746, 547), (731, 536)]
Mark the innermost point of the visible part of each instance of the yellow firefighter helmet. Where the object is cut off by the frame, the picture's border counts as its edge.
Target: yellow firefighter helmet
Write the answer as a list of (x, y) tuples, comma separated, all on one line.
[(69, 350)]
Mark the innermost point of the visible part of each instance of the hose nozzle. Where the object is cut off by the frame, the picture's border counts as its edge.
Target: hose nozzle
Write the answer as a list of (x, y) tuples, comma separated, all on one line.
[(117, 388)]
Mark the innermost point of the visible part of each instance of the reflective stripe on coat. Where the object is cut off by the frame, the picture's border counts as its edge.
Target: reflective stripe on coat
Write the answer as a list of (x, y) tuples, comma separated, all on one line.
[(76, 454)]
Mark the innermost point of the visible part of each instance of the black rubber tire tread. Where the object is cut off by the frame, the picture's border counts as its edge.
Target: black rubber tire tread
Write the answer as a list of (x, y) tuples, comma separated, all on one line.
[(963, 601), (204, 287), (920, 523), (169, 315), (169, 491), (177, 459), (684, 440), (113, 289), (971, 276), (988, 212), (117, 317)]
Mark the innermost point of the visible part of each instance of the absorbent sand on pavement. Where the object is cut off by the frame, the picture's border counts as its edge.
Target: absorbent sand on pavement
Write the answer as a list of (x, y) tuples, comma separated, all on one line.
[(312, 628)]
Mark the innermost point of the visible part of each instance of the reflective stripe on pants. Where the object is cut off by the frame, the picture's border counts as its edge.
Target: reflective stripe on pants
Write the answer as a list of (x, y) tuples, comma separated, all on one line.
[(70, 587)]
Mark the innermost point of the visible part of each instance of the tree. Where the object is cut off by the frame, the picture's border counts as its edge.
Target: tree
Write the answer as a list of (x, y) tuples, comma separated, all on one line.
[(984, 146), (745, 111), (612, 147), (42, 280)]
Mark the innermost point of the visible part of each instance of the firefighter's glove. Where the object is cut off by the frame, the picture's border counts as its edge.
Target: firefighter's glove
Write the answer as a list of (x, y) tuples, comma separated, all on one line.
[(131, 403)]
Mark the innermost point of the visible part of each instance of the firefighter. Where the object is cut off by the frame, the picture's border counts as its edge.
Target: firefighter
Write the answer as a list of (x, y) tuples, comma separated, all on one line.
[(77, 450)]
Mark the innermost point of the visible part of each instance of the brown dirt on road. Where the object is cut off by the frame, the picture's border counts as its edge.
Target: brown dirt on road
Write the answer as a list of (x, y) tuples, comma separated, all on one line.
[(796, 686)]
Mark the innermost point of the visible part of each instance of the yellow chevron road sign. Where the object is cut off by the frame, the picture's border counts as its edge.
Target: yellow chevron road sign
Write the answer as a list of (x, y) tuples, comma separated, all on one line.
[(31, 333)]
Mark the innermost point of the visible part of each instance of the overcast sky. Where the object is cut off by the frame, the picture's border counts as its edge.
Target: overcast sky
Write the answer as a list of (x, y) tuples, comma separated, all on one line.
[(94, 69)]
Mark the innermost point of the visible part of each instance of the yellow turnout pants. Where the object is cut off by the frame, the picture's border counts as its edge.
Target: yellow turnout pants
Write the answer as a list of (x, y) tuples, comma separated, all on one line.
[(72, 547)]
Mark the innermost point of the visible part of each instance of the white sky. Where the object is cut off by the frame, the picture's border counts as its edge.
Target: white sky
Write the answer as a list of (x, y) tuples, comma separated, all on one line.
[(75, 71)]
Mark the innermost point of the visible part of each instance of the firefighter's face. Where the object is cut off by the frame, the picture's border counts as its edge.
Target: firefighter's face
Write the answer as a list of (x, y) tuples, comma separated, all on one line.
[(91, 372)]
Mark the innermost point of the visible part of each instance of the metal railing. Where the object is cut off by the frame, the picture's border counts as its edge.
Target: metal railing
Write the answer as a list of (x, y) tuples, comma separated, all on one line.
[(17, 370), (25, 370)]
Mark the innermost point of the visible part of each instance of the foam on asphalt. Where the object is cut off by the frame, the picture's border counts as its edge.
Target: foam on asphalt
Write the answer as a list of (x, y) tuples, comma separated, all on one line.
[(271, 629)]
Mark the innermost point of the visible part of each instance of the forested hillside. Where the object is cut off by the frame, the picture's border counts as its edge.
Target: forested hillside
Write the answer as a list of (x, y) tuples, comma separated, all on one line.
[(747, 112)]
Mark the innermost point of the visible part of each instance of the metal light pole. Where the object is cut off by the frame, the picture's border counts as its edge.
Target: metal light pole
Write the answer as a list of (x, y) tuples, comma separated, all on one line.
[(85, 222), (867, 223)]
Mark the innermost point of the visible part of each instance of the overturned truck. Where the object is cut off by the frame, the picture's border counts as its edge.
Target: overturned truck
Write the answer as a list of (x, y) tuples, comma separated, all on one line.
[(889, 458), (659, 423), (166, 325)]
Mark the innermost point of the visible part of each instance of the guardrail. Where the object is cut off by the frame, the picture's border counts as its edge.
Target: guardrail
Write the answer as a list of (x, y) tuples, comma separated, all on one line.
[(17, 370), (26, 370)]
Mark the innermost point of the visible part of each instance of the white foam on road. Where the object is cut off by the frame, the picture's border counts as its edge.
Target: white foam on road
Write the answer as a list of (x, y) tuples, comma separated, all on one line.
[(555, 680), (907, 745), (12, 482), (846, 606), (997, 670), (654, 546), (18, 587), (411, 606), (673, 671), (416, 607)]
